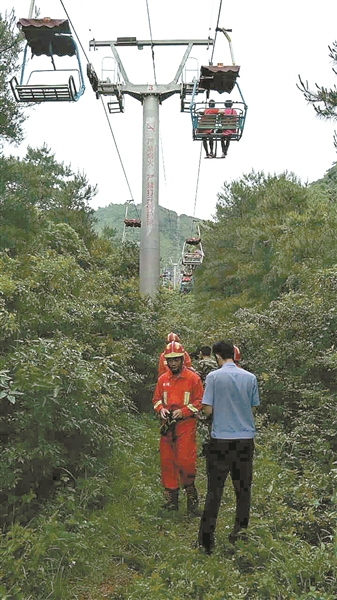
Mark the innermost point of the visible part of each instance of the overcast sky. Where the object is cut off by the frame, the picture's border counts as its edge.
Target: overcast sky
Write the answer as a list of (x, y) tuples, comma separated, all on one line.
[(273, 42)]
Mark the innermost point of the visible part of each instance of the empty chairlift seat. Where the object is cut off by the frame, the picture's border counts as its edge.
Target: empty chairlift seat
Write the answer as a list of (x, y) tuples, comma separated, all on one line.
[(48, 37)]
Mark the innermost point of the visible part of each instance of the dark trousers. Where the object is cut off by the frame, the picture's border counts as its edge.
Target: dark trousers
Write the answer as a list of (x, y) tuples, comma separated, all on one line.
[(223, 457)]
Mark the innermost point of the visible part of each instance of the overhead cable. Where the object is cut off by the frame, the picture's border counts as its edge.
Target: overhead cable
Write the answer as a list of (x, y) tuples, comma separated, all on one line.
[(152, 50), (104, 108), (119, 156), (196, 190), (74, 30), (217, 25)]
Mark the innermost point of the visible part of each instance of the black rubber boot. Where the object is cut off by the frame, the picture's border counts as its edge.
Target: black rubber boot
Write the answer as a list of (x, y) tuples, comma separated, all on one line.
[(192, 500), (172, 499)]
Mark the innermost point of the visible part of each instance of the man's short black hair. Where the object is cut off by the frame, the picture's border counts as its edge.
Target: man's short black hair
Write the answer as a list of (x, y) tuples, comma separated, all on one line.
[(225, 349), (206, 350)]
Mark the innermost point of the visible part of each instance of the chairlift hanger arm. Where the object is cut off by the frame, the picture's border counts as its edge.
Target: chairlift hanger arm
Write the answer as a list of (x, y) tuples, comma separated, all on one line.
[(31, 9), (225, 32)]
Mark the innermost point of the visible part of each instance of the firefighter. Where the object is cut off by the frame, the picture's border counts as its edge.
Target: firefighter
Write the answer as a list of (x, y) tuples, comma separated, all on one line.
[(177, 400), (162, 365)]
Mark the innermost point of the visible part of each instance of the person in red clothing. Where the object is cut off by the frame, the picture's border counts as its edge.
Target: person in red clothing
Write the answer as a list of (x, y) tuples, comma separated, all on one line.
[(226, 134), (225, 141), (162, 365), (177, 400), (209, 111)]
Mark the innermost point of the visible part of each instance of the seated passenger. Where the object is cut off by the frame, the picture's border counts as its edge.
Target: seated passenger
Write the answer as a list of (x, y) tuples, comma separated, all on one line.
[(225, 140), (209, 111)]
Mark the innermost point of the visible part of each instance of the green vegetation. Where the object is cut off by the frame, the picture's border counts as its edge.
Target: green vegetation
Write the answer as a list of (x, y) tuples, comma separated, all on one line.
[(11, 115), (80, 491), (129, 548)]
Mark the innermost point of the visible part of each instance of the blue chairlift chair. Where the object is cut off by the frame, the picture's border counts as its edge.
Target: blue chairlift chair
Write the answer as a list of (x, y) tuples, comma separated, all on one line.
[(49, 37)]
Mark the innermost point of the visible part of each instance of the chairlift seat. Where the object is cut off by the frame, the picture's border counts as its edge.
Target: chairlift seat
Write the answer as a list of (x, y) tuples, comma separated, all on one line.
[(192, 260), (44, 93), (215, 125), (220, 78)]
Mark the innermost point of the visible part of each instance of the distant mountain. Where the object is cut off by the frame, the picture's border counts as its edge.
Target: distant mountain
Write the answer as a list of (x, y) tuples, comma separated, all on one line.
[(173, 229)]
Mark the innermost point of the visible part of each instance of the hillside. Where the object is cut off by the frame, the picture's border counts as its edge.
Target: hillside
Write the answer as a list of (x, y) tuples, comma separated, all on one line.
[(173, 229)]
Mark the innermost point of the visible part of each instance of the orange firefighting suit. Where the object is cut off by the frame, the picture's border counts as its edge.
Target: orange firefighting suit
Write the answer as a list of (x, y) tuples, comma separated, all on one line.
[(178, 448), (162, 365)]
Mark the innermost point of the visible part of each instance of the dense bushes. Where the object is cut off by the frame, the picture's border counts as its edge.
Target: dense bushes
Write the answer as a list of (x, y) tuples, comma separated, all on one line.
[(76, 343)]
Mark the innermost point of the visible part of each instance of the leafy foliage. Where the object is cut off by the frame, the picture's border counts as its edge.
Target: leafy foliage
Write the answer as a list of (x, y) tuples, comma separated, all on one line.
[(267, 230), (11, 115), (324, 100), (76, 338), (38, 189), (130, 549)]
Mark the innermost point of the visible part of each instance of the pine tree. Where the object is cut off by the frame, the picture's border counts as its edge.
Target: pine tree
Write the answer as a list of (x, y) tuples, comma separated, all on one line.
[(324, 100)]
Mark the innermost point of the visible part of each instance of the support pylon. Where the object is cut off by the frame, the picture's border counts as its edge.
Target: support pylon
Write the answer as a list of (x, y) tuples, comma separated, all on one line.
[(151, 96)]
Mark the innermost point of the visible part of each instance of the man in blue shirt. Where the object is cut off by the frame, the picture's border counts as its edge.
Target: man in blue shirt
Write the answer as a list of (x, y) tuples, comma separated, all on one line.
[(230, 396)]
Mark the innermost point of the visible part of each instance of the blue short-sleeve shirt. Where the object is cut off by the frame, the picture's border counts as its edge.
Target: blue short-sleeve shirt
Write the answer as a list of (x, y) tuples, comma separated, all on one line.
[(231, 392)]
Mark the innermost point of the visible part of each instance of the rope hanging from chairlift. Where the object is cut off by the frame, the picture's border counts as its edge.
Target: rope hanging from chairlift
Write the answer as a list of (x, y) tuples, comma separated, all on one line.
[(196, 190)]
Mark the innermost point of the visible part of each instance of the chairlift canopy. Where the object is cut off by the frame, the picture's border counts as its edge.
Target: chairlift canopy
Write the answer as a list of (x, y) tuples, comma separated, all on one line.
[(48, 36), (218, 78), (132, 223), (193, 241)]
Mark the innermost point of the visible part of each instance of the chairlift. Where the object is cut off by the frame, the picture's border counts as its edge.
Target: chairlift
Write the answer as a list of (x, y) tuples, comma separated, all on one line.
[(217, 123), (192, 253), (186, 285), (134, 223), (49, 37)]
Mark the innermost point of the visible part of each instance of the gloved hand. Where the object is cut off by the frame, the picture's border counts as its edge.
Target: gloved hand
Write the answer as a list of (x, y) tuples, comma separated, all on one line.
[(168, 424), (164, 412)]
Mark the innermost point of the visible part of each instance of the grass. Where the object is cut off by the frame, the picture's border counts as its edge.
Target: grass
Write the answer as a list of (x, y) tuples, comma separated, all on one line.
[(108, 538)]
